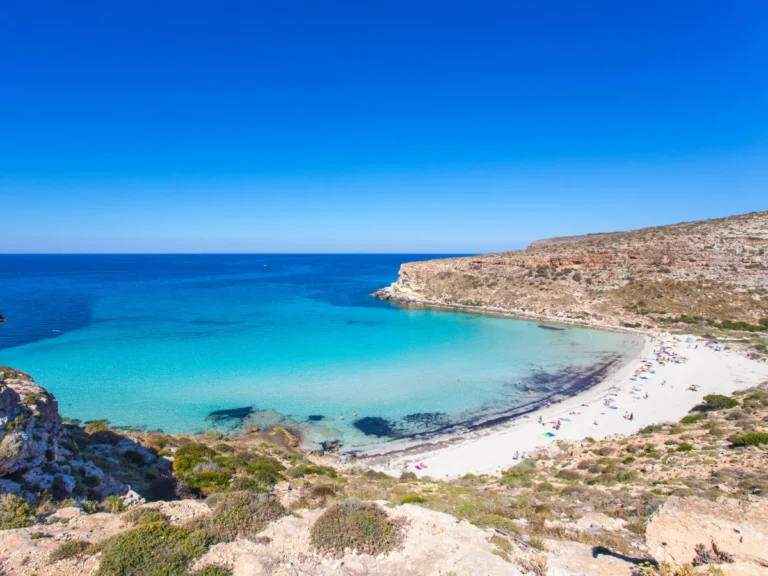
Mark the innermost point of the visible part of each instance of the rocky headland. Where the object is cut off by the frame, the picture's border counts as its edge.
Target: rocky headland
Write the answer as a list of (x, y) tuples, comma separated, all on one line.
[(711, 274)]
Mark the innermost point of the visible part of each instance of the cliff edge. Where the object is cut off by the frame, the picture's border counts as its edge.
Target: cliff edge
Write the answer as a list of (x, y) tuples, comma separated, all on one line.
[(713, 273)]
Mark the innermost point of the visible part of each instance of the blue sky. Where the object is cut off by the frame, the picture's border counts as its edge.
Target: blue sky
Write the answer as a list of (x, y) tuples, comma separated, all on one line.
[(373, 127)]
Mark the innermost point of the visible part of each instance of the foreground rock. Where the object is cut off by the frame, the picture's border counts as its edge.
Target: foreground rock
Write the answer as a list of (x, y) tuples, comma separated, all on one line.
[(40, 454), (32, 455), (695, 530)]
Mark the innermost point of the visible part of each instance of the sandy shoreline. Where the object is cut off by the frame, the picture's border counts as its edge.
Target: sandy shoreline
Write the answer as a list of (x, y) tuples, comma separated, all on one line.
[(491, 450)]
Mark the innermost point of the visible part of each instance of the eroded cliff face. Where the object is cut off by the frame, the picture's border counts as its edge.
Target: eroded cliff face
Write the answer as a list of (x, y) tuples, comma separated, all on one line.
[(39, 454), (31, 431), (713, 270)]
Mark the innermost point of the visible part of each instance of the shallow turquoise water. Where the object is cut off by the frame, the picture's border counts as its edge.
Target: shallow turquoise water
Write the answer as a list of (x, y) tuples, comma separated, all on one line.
[(163, 341)]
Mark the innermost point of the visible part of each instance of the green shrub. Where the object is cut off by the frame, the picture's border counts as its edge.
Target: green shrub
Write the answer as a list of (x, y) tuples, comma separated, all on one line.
[(140, 516), (68, 550), (157, 549), (568, 475), (751, 439), (89, 506), (113, 504), (719, 402), (323, 492), (353, 524), (627, 476), (307, 469), (266, 470), (293, 473), (212, 570), (208, 479), (246, 484), (15, 512), (239, 515), (693, 418), (190, 455), (413, 499), (96, 426), (518, 471), (408, 476), (684, 447)]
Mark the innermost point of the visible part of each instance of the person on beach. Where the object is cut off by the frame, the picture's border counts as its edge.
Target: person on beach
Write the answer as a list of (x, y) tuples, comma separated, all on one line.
[(541, 420)]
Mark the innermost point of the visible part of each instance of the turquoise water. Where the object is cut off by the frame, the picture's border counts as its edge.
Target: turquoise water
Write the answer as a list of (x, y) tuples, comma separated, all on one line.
[(161, 342)]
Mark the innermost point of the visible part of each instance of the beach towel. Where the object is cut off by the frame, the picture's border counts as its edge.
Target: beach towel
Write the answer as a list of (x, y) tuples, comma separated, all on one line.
[(613, 407), (548, 434), (567, 419)]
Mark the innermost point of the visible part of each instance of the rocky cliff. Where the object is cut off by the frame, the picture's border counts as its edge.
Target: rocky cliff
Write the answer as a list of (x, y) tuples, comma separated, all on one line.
[(40, 454), (706, 272)]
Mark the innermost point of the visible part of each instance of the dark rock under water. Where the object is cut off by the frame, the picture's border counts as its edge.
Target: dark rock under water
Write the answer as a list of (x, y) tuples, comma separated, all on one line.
[(315, 417), (545, 327), (230, 414), (426, 419), (376, 426)]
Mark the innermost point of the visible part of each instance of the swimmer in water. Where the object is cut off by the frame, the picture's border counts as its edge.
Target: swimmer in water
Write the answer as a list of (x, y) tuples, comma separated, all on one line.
[(341, 417)]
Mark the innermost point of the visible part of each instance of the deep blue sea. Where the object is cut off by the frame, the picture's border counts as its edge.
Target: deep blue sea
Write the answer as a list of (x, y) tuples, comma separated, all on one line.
[(182, 343)]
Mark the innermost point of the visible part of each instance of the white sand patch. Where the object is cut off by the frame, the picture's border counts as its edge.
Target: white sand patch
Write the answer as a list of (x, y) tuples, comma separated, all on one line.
[(669, 398)]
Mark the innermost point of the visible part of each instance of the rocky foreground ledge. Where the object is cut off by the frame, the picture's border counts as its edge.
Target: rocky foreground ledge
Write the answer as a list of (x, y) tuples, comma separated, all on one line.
[(40, 454), (711, 275)]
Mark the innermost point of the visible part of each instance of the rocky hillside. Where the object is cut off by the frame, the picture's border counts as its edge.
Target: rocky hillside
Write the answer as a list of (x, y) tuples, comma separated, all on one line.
[(712, 273), (40, 454), (677, 499)]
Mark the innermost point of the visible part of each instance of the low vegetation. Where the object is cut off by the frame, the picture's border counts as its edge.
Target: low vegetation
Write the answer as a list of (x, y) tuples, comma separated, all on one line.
[(239, 515), (71, 549), (156, 549), (355, 525), (15, 512)]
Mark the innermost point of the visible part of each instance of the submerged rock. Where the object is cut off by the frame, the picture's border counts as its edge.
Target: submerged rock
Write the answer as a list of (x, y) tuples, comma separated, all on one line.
[(377, 426)]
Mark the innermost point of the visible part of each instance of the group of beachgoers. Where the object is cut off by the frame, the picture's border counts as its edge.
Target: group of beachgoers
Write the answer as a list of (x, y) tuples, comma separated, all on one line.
[(663, 353)]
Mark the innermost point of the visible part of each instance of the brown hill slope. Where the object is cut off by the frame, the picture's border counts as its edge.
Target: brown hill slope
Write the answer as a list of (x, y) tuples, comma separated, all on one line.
[(707, 272)]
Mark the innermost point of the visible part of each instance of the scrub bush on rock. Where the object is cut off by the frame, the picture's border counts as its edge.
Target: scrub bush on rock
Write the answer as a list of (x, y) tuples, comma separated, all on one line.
[(157, 549), (353, 524), (239, 515)]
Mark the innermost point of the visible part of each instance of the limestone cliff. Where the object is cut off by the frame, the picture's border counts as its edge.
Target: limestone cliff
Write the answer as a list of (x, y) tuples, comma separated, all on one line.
[(39, 453), (697, 272)]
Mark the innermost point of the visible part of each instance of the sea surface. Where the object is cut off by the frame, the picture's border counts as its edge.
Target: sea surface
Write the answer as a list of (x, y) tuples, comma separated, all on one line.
[(183, 343)]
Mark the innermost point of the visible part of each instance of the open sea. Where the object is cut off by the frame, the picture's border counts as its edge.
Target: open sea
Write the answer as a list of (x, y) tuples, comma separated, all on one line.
[(183, 343)]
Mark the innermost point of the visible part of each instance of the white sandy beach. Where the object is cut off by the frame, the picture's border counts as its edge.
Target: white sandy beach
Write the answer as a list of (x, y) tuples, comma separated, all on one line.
[(492, 450)]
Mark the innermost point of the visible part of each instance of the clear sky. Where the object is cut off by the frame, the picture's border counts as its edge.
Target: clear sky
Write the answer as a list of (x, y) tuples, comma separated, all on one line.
[(413, 126)]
